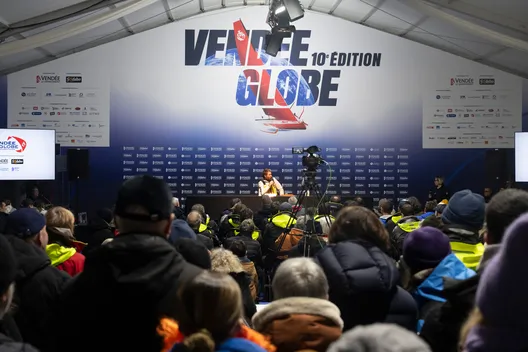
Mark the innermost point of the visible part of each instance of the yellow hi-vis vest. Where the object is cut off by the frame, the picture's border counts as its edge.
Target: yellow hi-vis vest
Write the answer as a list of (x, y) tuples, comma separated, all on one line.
[(319, 217), (469, 254), (282, 219), (409, 226), (255, 235), (202, 228)]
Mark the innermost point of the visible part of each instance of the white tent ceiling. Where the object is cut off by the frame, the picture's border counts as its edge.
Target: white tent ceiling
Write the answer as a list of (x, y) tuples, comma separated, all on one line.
[(492, 32)]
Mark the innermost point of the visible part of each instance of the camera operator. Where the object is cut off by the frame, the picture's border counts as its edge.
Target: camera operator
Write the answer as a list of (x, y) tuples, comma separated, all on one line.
[(269, 184)]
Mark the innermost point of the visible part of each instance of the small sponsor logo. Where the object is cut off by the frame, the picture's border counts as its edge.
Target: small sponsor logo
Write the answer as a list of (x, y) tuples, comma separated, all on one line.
[(73, 79), (487, 81), (17, 161)]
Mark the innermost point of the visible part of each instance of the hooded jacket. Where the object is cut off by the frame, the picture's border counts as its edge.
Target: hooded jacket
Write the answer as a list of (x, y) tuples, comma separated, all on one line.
[(37, 294), (127, 285), (66, 259), (364, 283), (442, 324), (430, 291), (299, 323)]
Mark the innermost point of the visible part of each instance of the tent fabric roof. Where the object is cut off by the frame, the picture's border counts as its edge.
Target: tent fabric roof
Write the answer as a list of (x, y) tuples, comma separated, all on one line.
[(494, 33)]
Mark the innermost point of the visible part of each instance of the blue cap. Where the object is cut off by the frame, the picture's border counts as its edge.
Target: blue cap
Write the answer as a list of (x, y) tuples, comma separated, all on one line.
[(25, 222)]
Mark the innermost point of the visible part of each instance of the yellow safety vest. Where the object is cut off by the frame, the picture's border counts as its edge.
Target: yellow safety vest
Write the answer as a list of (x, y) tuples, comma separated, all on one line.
[(469, 254), (255, 235)]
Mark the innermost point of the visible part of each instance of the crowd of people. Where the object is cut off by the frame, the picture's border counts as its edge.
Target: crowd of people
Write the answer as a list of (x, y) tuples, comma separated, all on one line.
[(147, 275)]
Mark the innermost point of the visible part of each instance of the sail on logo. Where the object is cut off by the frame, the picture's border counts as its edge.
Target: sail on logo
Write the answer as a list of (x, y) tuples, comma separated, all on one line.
[(13, 143)]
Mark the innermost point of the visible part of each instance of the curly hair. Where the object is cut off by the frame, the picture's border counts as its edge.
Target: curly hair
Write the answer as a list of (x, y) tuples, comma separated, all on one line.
[(224, 261)]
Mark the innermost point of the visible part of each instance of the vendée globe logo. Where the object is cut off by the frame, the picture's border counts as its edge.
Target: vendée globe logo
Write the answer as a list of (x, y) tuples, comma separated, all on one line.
[(16, 144)]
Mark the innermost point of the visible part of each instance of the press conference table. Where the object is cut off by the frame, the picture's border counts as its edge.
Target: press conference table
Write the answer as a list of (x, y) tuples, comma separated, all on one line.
[(216, 204)]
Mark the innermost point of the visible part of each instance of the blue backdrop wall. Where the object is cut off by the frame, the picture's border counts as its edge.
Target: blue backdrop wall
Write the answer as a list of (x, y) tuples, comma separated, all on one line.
[(197, 118)]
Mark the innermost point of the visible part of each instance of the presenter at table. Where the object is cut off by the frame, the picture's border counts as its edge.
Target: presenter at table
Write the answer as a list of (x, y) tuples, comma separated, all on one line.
[(269, 184)]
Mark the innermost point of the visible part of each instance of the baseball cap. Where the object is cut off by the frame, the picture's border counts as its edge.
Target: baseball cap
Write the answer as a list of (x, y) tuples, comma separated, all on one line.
[(25, 223), (148, 192)]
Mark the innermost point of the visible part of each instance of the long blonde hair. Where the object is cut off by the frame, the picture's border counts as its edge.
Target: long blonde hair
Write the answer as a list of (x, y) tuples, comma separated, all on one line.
[(475, 319), (212, 310)]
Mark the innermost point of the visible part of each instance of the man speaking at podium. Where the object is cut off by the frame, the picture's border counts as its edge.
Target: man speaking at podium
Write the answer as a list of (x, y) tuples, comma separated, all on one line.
[(269, 185)]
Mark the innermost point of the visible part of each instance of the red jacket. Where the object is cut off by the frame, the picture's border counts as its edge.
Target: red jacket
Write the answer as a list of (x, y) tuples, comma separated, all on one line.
[(65, 258), (74, 265)]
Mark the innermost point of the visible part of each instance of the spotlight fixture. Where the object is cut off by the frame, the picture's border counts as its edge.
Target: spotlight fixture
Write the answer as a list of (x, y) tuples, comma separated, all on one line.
[(281, 14)]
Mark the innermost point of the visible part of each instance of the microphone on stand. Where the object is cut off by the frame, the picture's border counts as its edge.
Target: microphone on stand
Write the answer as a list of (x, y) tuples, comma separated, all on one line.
[(49, 205)]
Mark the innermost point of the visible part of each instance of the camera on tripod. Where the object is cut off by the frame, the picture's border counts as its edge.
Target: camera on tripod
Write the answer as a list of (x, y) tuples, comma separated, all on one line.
[(310, 161)]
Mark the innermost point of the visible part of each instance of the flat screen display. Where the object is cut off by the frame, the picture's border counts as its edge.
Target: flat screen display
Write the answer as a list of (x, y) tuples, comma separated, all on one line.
[(27, 154), (521, 157)]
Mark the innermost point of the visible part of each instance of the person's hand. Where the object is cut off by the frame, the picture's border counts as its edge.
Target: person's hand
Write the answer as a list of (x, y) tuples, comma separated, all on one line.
[(271, 183)]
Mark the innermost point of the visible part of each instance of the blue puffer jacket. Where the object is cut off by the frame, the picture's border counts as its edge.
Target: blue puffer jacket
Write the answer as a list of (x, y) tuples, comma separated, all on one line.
[(430, 292), (364, 283)]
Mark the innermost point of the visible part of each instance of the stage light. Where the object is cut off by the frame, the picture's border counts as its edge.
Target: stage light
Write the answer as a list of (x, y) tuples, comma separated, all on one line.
[(279, 19), (280, 9)]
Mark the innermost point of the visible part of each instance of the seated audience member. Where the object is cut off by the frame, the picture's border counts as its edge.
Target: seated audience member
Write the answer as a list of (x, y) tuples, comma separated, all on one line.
[(246, 235), (300, 317), (206, 219), (405, 209), (224, 261), (432, 221), (9, 207), (129, 284), (488, 194), (230, 222), (232, 203), (39, 206), (402, 228), (499, 321), (262, 216), (194, 219), (364, 280), (293, 202), (378, 338), (211, 319), (38, 284), (8, 270), (27, 203), (429, 261), (3, 217), (385, 208), (334, 205), (181, 229), (194, 252), (239, 249), (100, 228), (177, 211), (429, 209), (63, 249), (463, 218), (440, 209), (276, 226), (442, 326)]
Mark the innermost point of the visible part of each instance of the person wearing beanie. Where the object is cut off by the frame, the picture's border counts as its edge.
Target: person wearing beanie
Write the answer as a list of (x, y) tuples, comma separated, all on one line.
[(194, 252), (8, 270), (379, 337), (427, 255), (463, 218), (500, 299), (505, 207), (38, 284)]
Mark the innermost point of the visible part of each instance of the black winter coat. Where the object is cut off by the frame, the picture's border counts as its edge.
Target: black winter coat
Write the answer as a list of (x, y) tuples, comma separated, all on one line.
[(37, 294), (119, 298), (254, 251), (442, 324), (364, 285)]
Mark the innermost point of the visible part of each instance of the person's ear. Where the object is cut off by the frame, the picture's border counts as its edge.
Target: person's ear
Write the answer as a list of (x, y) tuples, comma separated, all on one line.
[(169, 226)]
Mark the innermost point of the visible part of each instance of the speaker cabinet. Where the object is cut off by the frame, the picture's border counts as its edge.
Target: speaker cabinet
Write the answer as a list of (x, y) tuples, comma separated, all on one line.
[(78, 161)]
